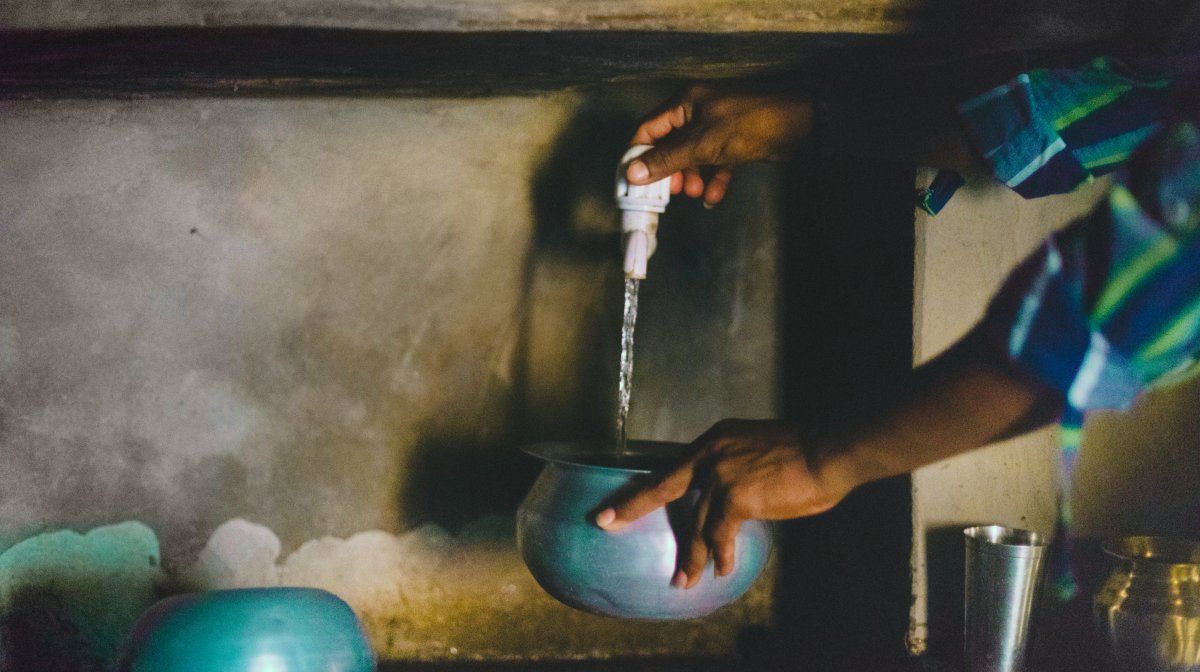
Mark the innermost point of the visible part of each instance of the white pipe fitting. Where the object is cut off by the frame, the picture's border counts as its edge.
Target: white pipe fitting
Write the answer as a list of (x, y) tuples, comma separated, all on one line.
[(640, 207)]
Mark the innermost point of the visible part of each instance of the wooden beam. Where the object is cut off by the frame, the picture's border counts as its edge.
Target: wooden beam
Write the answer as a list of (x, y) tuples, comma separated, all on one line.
[(322, 61), (1024, 21)]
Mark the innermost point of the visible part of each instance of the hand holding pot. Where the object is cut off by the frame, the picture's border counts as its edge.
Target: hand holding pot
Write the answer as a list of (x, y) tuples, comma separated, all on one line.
[(744, 470), (966, 397), (627, 575)]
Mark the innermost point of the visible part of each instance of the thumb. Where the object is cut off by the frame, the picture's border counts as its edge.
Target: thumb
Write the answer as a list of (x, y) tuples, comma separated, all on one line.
[(662, 161)]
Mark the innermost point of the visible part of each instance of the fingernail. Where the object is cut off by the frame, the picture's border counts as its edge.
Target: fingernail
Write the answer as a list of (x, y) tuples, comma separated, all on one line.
[(680, 579), (638, 171), (605, 518), (709, 206)]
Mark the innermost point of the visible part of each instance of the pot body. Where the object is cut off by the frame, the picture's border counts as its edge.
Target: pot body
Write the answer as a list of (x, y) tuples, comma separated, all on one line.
[(628, 573), (1148, 611), (249, 630)]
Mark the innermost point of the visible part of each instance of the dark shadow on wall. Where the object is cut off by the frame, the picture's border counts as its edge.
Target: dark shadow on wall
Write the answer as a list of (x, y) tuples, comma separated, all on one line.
[(576, 240), (945, 562), (456, 476), (38, 632), (453, 481), (846, 260)]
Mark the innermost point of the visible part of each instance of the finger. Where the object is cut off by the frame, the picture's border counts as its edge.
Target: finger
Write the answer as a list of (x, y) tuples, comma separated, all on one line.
[(645, 500), (694, 554), (693, 184), (721, 531), (661, 124), (717, 185), (681, 105), (676, 182)]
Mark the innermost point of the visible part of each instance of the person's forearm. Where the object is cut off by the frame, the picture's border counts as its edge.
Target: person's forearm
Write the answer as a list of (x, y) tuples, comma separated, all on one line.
[(966, 398)]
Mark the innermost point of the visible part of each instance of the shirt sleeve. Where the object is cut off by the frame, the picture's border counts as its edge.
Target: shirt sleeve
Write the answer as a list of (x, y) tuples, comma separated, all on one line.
[(1048, 131), (1111, 304)]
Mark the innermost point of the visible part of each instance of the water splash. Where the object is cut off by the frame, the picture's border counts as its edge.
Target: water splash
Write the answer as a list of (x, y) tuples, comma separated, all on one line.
[(625, 381)]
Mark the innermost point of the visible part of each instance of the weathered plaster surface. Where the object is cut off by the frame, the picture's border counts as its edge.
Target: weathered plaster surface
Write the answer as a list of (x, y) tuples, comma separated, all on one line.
[(335, 316), (209, 302), (1138, 470)]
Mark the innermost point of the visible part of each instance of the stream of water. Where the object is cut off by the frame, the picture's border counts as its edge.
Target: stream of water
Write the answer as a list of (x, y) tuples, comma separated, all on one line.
[(625, 381)]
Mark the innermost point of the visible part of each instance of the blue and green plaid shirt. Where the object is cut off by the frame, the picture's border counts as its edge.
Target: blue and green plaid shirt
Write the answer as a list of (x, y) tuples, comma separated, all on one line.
[(1109, 306)]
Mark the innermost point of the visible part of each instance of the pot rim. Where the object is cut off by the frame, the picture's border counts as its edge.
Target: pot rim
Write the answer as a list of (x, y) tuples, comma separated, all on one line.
[(1163, 551), (1002, 536), (640, 457)]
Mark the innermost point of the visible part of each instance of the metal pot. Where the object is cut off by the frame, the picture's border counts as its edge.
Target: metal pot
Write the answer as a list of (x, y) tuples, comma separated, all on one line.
[(1149, 609), (627, 573), (249, 630)]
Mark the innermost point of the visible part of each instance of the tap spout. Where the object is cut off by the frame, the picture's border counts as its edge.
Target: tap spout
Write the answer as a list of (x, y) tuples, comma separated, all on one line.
[(640, 207)]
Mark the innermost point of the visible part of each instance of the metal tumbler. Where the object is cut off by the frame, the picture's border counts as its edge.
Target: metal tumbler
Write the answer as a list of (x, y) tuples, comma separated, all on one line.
[(1004, 568)]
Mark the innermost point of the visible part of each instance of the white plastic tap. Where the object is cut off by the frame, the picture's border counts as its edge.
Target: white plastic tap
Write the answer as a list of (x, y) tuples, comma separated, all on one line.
[(640, 207)]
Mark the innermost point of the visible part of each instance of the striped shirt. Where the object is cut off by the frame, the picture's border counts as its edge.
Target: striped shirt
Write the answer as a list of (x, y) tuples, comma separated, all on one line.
[(1049, 131), (1109, 306)]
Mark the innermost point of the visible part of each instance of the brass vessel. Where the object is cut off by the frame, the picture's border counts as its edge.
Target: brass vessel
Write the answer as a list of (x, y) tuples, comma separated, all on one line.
[(1148, 611)]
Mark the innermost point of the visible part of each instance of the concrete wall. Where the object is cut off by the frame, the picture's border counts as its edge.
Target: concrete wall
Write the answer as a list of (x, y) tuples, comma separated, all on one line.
[(327, 317), (962, 255), (1138, 469)]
